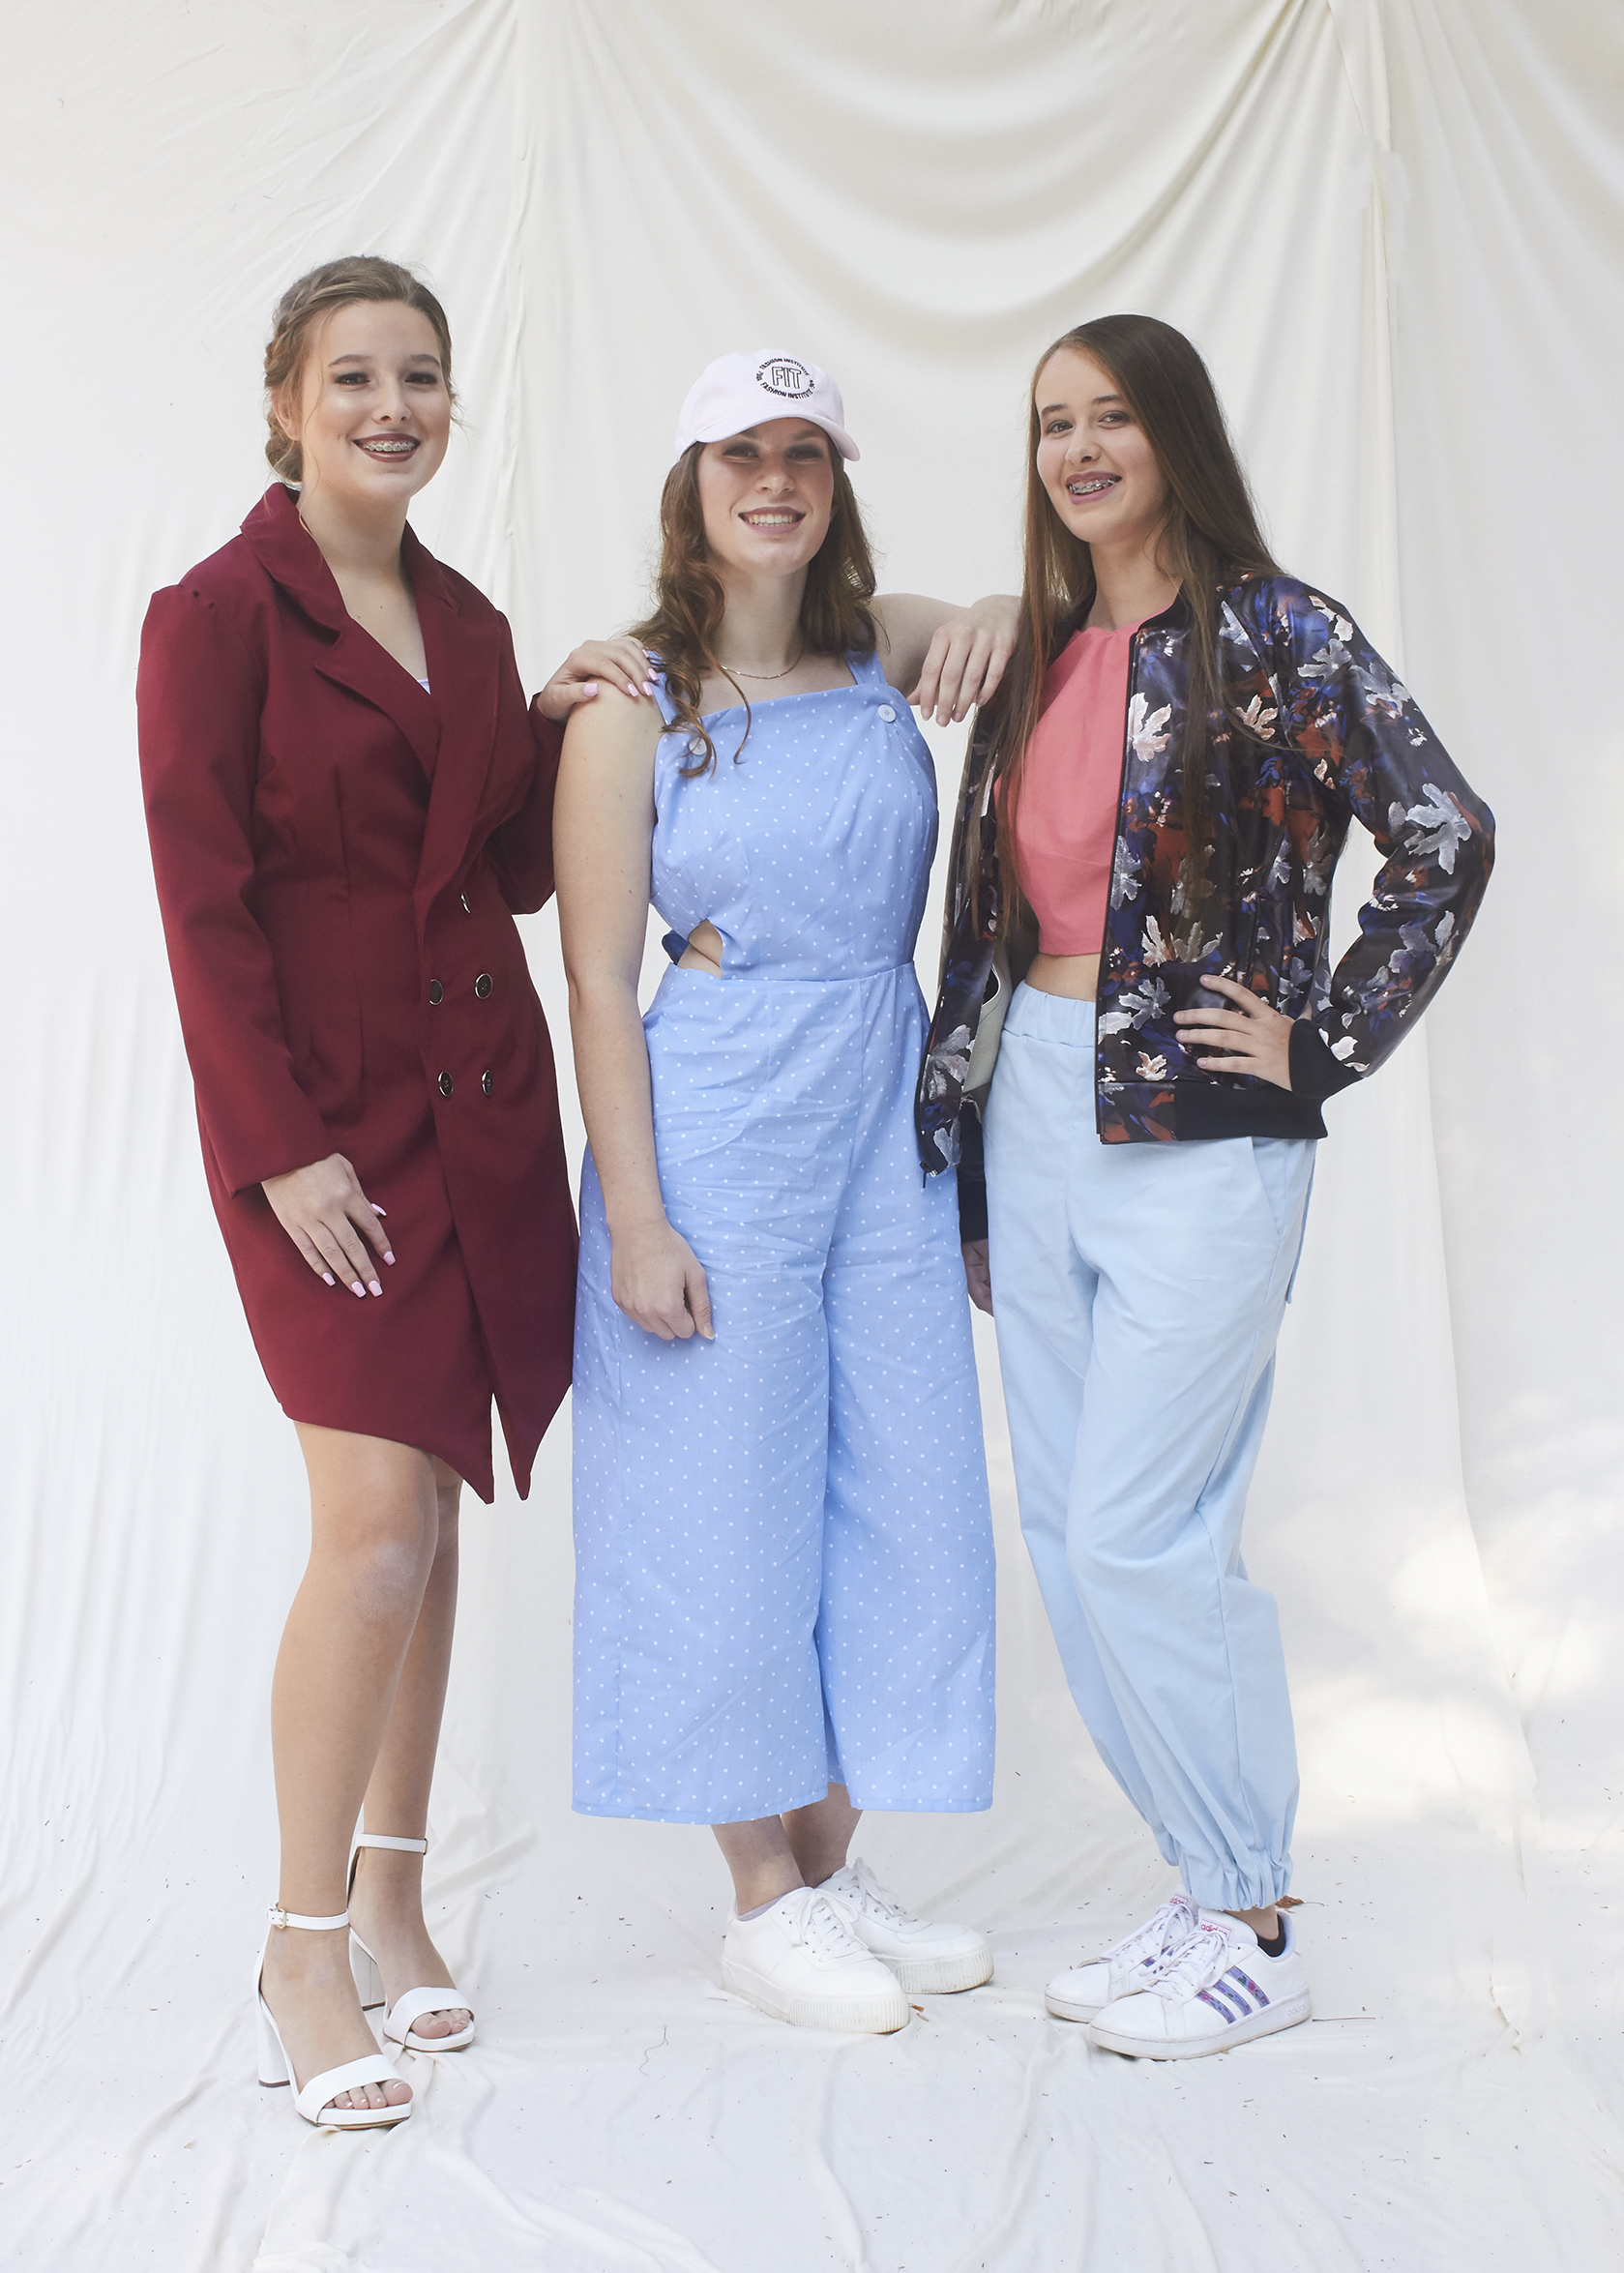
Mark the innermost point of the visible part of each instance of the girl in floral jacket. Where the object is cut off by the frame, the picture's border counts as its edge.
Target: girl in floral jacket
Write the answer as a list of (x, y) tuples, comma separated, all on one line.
[(1152, 811)]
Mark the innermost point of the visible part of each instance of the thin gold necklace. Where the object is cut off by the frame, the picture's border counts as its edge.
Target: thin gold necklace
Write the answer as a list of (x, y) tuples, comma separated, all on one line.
[(764, 678)]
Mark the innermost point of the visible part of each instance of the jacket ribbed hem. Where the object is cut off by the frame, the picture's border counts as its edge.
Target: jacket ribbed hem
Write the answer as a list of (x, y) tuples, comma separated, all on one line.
[(1207, 1109)]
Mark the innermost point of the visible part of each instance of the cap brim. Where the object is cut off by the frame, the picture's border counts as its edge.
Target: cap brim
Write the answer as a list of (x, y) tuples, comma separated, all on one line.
[(842, 440)]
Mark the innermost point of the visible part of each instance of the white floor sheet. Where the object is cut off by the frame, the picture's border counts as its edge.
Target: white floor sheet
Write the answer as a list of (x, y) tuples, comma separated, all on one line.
[(1394, 227)]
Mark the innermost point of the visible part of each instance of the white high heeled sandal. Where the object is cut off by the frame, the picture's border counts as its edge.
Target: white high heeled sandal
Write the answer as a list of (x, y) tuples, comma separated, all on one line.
[(398, 2018), (310, 2099)]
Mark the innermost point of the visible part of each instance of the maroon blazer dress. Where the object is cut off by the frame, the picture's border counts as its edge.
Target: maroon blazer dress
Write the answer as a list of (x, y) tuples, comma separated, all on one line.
[(338, 858)]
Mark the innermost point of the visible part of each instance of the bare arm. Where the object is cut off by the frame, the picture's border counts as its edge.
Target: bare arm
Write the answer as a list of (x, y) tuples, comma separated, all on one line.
[(949, 658), (602, 832)]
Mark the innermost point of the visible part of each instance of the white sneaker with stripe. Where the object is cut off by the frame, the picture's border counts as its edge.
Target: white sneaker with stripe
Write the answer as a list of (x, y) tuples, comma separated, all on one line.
[(1083, 1992), (1216, 1990)]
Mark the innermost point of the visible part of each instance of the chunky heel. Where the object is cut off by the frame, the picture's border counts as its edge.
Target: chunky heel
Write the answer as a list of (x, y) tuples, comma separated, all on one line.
[(272, 2063), (369, 1981)]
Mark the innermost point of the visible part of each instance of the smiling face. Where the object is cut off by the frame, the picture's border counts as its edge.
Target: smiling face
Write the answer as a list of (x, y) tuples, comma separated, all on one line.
[(373, 411), (1094, 459), (766, 496)]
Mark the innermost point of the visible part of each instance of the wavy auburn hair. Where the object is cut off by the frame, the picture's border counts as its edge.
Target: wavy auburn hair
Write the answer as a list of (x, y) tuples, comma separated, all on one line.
[(1210, 539), (689, 600), (337, 284)]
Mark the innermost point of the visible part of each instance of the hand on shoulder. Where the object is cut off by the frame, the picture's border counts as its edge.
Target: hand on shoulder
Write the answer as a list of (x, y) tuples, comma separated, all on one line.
[(950, 659), (619, 664)]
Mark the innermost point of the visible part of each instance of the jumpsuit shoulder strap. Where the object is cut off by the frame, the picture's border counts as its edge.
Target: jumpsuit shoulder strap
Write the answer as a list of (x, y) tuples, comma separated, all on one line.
[(661, 695)]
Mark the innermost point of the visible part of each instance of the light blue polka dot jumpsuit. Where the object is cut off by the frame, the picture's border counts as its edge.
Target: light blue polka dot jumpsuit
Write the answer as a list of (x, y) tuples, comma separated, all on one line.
[(783, 1550)]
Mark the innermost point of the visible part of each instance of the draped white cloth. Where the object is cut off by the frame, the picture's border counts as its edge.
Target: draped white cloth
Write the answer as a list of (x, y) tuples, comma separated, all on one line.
[(1394, 227)]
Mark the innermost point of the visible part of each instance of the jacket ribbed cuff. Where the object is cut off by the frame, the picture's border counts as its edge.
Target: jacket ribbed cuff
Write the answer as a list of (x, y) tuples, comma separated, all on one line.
[(1315, 1072), (972, 1206), (972, 1178)]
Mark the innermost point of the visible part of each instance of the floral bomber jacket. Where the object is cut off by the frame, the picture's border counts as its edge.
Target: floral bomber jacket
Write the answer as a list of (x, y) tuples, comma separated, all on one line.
[(1337, 737)]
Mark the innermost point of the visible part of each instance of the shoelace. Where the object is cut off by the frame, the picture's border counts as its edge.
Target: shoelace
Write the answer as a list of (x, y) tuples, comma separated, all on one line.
[(1159, 1937), (822, 1927), (872, 1895), (1195, 1963)]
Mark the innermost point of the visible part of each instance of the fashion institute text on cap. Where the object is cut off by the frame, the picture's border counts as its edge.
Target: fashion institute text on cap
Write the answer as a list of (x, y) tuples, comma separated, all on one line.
[(747, 389)]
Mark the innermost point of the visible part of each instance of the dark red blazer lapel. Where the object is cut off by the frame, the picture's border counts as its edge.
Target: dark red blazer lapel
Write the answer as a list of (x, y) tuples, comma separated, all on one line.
[(452, 729), (290, 555), (465, 671)]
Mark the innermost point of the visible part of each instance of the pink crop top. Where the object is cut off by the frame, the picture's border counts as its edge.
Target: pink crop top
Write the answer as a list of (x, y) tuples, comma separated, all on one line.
[(1065, 823)]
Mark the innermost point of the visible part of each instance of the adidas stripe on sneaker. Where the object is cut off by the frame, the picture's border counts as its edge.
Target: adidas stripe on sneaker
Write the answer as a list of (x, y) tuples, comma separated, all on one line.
[(1216, 1990)]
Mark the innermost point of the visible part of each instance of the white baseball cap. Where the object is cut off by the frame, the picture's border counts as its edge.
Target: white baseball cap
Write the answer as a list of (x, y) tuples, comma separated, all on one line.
[(748, 388)]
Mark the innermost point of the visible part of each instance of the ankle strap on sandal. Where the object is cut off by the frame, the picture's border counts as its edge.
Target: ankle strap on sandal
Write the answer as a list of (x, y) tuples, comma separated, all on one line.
[(403, 1846), (281, 1917)]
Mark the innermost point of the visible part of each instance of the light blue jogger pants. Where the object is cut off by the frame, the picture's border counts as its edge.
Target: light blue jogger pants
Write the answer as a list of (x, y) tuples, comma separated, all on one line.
[(1138, 1291)]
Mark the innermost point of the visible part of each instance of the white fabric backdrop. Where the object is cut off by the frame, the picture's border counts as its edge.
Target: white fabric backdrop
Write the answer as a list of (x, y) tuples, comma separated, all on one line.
[(1393, 226)]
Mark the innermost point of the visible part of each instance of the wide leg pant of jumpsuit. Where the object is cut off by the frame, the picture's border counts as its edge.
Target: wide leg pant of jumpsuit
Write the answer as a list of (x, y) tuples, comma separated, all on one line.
[(782, 1538), (1138, 1291)]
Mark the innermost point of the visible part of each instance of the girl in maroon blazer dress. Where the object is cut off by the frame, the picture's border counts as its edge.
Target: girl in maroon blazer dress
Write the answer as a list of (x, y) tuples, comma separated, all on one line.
[(348, 801)]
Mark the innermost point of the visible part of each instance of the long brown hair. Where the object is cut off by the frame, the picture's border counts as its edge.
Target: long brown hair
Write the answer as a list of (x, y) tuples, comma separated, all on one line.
[(688, 601), (337, 284), (1210, 539)]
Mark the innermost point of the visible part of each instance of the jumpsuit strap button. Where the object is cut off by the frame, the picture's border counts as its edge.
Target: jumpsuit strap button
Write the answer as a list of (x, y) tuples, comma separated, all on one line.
[(445, 1085)]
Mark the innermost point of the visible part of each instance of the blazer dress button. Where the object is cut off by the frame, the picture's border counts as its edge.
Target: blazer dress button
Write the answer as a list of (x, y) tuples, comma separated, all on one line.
[(462, 897), (484, 1083), (445, 1085), (482, 984), (436, 993)]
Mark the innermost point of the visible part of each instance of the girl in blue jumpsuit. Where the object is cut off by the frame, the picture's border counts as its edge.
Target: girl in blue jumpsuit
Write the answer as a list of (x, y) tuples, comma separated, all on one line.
[(783, 1556), (784, 1547)]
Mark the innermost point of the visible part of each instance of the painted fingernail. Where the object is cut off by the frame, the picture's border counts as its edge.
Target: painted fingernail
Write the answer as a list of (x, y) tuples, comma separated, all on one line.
[(648, 687), (373, 1286), (329, 1278), (376, 1210), (387, 1258), (358, 1288), (591, 687)]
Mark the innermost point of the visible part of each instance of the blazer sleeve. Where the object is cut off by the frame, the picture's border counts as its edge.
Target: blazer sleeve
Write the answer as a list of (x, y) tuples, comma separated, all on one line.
[(521, 848), (1364, 736), (198, 697)]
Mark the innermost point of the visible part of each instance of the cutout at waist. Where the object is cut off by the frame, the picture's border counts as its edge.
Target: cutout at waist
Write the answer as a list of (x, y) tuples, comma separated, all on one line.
[(699, 954)]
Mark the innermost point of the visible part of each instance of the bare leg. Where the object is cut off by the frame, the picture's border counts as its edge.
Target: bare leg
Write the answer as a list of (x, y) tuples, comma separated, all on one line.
[(821, 1836), (387, 1902), (373, 1532), (775, 1854), (761, 1858), (1265, 1924)]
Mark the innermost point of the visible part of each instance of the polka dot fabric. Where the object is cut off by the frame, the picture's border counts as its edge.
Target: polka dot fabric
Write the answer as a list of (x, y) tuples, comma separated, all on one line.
[(783, 1541)]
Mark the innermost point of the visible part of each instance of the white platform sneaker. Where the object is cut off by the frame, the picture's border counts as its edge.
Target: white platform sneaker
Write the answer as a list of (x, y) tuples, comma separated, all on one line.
[(398, 2016), (928, 1960), (1084, 1991), (310, 2099), (1217, 1990), (801, 1961)]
